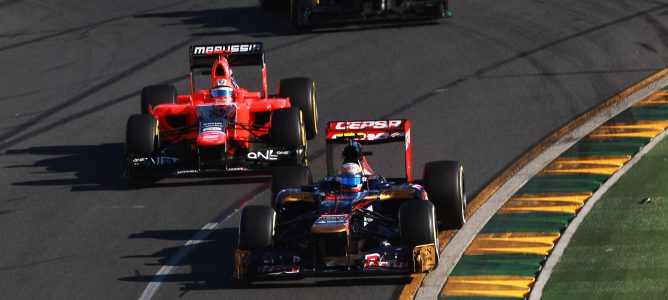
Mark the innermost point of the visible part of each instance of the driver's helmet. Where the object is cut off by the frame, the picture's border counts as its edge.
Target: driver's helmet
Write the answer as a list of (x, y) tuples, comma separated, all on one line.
[(222, 91), (350, 177)]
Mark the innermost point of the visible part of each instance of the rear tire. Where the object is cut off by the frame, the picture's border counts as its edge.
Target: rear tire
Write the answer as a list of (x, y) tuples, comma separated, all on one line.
[(154, 95), (288, 177), (417, 223), (287, 128), (444, 183), (301, 92), (256, 228), (141, 136)]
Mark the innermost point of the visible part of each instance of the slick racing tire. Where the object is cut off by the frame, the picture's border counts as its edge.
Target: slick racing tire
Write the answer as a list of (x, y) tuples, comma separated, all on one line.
[(287, 128), (444, 183), (289, 177), (301, 92), (417, 224), (256, 228), (141, 135), (154, 95)]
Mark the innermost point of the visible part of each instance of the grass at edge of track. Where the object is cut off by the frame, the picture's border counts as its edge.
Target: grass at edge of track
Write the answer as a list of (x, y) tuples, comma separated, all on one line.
[(620, 250)]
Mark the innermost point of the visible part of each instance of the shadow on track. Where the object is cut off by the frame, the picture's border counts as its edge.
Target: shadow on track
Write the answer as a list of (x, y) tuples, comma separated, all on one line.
[(211, 265), (258, 23), (99, 167)]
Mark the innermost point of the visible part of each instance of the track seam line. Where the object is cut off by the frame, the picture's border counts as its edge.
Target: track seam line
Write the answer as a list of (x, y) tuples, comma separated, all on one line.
[(199, 237)]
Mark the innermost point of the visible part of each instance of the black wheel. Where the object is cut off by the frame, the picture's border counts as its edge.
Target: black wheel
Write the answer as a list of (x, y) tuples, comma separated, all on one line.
[(301, 92), (256, 228), (444, 183), (287, 128), (141, 135), (288, 177), (154, 95), (417, 223)]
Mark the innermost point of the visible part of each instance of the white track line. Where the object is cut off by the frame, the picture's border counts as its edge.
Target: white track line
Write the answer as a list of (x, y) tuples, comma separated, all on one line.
[(199, 237)]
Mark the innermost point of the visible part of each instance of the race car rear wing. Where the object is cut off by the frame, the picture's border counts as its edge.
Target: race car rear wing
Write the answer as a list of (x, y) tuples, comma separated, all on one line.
[(238, 54), (370, 132)]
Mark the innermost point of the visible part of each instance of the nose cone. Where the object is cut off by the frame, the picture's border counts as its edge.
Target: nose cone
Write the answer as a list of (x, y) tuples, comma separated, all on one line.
[(214, 138)]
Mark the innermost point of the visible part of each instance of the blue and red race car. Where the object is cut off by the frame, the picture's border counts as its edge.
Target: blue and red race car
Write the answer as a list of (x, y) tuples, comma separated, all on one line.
[(223, 127), (354, 220)]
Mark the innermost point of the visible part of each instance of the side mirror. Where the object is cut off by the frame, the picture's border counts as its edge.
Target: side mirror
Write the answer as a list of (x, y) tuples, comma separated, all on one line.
[(309, 188), (377, 184)]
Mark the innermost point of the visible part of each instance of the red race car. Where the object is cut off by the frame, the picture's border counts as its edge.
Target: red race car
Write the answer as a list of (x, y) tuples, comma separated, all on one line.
[(224, 127)]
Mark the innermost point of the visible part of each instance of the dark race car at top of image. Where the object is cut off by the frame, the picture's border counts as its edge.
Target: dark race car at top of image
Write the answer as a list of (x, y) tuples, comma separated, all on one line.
[(222, 128), (306, 13), (354, 220)]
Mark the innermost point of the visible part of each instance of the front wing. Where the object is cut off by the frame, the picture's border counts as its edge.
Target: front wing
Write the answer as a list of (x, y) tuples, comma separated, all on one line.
[(380, 261), (174, 165)]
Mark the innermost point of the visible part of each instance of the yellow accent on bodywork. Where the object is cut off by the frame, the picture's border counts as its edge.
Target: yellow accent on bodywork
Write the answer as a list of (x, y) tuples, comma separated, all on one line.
[(424, 258), (405, 194), (351, 134), (240, 266), (297, 197), (315, 108), (329, 228)]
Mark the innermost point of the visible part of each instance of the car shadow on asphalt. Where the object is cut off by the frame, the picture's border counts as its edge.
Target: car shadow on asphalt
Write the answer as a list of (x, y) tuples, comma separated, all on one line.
[(258, 23), (97, 168), (208, 266)]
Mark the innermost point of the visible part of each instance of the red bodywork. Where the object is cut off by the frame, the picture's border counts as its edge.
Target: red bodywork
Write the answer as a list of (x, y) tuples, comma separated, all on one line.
[(252, 108)]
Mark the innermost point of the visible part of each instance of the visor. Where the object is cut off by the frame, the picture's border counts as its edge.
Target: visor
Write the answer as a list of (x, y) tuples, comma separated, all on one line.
[(352, 182), (221, 92)]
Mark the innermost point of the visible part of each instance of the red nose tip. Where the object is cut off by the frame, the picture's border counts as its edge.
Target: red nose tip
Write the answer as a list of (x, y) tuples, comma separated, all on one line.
[(214, 138)]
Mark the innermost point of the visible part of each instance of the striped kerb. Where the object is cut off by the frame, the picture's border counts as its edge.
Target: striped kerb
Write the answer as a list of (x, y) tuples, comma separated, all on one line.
[(504, 259)]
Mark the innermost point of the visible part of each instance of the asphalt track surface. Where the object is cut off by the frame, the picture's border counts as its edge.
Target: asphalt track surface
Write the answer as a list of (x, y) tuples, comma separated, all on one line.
[(481, 88)]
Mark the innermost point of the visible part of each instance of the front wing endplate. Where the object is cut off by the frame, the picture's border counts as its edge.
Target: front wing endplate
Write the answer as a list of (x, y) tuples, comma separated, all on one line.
[(424, 258), (240, 264)]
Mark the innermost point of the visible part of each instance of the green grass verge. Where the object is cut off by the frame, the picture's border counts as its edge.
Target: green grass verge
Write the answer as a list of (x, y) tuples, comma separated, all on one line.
[(621, 249)]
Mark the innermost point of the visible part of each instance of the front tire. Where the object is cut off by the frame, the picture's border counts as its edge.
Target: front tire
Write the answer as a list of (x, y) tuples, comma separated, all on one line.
[(417, 224), (444, 183), (141, 135), (301, 91), (256, 228), (287, 128)]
